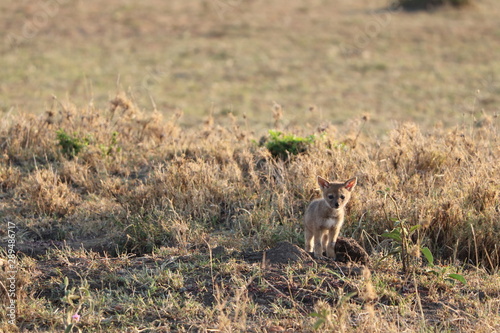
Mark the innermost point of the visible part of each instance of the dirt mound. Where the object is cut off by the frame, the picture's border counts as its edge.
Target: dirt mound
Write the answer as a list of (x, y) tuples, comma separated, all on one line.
[(285, 252), (348, 249), (282, 253)]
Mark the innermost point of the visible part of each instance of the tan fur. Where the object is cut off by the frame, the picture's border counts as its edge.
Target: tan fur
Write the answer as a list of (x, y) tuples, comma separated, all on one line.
[(324, 217)]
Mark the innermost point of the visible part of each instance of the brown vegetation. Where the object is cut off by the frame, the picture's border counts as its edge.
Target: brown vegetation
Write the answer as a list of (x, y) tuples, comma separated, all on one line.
[(141, 184), (187, 184)]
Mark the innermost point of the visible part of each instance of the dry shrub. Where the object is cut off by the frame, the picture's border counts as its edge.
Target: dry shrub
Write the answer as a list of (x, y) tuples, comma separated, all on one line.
[(445, 182), (78, 175), (10, 177), (45, 193), (146, 230), (232, 311), (25, 137)]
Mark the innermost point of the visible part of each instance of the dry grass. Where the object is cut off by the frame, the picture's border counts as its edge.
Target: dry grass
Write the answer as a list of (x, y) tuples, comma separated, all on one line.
[(156, 188), (136, 220)]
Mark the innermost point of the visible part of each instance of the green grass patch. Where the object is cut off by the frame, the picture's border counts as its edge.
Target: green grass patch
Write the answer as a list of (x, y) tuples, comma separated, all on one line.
[(283, 145), (71, 145)]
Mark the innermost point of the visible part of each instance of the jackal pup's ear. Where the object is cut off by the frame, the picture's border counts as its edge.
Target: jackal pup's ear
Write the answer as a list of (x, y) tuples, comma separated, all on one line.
[(351, 183), (323, 183)]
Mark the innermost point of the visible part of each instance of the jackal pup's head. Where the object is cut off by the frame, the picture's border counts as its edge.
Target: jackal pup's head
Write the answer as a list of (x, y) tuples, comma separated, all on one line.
[(337, 194)]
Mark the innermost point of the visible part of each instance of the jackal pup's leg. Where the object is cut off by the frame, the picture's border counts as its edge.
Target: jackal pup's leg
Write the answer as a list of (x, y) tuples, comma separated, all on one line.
[(309, 238)]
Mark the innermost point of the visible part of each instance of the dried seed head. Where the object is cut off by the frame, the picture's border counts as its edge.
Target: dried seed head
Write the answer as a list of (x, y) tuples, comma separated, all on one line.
[(369, 293)]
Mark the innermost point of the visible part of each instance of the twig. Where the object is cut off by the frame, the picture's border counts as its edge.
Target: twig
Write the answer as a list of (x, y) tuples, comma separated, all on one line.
[(355, 142), (359, 224), (475, 245), (4, 288), (211, 265), (340, 269), (419, 302)]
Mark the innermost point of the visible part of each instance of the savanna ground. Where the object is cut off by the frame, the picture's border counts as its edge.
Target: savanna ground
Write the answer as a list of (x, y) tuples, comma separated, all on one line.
[(138, 176)]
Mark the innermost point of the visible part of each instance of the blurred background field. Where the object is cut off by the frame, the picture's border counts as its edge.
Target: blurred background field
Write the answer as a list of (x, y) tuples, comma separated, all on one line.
[(323, 61)]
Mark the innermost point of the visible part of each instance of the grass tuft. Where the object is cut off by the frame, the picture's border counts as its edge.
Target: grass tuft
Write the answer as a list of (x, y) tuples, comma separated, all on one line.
[(283, 146)]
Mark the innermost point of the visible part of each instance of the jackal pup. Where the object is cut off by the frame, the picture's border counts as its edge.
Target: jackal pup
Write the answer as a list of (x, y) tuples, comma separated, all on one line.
[(324, 217)]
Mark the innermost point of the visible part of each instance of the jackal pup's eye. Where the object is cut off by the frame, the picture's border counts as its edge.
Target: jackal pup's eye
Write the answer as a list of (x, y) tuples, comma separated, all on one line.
[(330, 196), (342, 197)]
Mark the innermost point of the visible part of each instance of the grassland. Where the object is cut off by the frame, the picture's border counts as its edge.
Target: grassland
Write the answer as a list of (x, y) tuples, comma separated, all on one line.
[(138, 210), (213, 57), (123, 210)]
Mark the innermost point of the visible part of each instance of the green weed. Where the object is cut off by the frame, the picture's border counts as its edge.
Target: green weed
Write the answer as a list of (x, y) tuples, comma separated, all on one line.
[(283, 146), (440, 272), (71, 146), (112, 147)]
